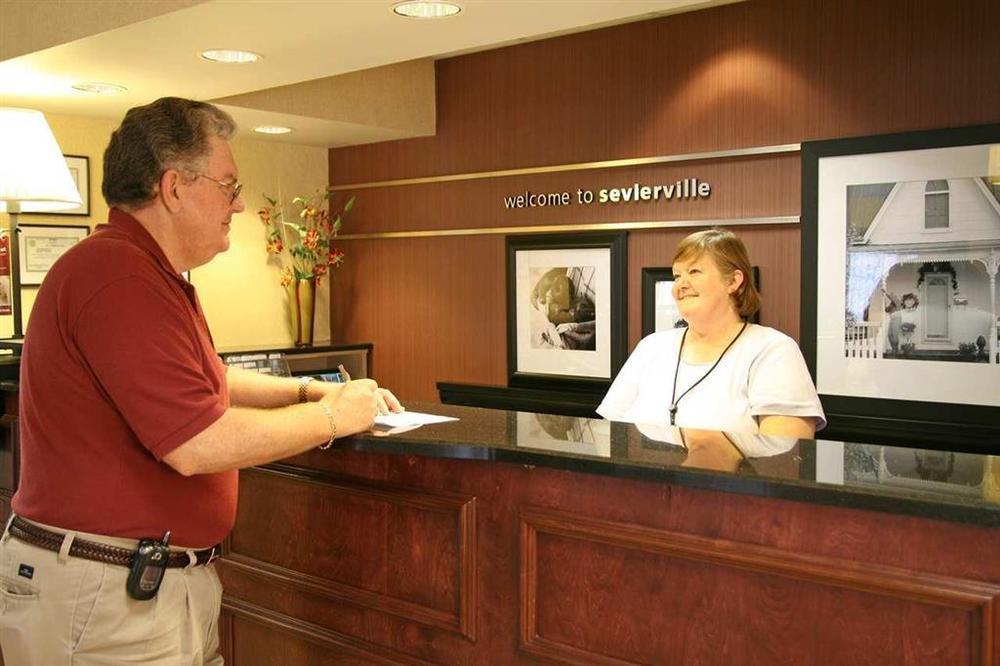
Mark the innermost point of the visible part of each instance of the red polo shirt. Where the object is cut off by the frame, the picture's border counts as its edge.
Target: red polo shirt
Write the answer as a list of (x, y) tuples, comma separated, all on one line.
[(118, 370)]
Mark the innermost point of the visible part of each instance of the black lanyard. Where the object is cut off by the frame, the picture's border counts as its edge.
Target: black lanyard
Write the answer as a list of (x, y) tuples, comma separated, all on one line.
[(680, 352)]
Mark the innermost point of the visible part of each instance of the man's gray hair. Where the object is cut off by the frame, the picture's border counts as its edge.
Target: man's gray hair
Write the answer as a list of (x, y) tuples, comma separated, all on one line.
[(170, 133)]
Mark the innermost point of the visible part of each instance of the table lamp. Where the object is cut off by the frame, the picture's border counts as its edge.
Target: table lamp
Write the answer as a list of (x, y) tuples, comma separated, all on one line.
[(34, 178)]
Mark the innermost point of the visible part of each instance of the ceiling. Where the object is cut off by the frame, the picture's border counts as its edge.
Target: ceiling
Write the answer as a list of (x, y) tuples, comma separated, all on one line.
[(339, 72)]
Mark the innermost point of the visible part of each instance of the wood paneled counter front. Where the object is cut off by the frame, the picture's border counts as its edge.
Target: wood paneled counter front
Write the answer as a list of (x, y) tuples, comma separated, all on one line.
[(509, 537)]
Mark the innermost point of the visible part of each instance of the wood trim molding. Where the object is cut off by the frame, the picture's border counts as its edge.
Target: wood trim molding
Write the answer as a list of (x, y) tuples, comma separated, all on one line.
[(579, 166), (329, 639), (226, 644), (562, 228), (463, 507), (979, 599), (324, 587)]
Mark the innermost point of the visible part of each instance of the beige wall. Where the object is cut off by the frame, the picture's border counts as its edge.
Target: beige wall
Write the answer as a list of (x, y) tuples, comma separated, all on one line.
[(239, 289)]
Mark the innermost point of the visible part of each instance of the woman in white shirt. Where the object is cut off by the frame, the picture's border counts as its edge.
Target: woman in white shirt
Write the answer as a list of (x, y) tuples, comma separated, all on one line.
[(720, 372)]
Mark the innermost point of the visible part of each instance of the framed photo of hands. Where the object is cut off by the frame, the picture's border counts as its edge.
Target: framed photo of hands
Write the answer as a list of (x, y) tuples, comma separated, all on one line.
[(566, 309)]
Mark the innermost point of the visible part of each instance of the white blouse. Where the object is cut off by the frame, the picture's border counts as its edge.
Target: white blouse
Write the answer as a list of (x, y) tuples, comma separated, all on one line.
[(762, 374)]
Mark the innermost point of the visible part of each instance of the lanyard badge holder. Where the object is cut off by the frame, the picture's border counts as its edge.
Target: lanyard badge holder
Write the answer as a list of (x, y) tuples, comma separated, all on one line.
[(146, 571)]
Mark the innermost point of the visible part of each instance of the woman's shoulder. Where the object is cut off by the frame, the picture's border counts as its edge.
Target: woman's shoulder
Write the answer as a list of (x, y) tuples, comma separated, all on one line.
[(765, 337), (766, 332)]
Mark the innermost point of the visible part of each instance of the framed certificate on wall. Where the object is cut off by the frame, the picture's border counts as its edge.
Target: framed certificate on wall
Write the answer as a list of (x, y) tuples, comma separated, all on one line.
[(40, 245)]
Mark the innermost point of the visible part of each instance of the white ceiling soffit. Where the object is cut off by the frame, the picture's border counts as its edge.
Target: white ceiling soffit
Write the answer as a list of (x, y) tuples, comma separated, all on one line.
[(315, 41), (27, 26)]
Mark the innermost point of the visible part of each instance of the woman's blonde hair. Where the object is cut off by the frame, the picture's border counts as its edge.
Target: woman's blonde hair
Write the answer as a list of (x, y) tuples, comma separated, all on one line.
[(730, 255)]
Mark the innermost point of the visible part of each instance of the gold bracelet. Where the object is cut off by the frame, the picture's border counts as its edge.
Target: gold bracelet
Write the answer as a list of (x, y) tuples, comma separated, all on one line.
[(304, 388), (333, 424)]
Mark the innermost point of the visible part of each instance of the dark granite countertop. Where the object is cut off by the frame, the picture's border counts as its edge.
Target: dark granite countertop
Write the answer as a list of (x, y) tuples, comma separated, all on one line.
[(941, 485)]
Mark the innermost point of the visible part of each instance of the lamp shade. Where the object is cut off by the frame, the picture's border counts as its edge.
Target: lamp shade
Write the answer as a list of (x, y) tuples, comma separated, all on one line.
[(993, 171), (33, 173)]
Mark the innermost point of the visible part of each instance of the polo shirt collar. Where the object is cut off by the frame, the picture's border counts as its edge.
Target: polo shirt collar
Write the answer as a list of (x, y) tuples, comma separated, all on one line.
[(133, 230)]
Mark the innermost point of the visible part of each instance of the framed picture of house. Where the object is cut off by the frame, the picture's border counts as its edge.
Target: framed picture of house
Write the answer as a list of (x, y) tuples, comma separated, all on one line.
[(565, 309), (659, 309), (900, 284)]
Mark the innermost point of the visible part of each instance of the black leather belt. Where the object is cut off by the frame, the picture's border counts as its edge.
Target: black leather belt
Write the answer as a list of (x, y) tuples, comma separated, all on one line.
[(99, 552)]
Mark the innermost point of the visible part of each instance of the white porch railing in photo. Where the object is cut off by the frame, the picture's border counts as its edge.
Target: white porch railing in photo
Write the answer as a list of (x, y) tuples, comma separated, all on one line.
[(864, 340), (994, 346)]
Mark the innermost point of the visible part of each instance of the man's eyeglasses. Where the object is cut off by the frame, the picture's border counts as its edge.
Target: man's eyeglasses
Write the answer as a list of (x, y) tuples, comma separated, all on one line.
[(236, 187)]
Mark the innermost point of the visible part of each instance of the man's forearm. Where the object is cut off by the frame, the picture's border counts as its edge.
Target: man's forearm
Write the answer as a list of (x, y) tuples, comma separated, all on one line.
[(248, 388), (244, 437)]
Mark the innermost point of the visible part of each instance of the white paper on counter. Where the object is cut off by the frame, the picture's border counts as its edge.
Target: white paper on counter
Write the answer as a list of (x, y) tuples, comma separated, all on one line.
[(403, 419)]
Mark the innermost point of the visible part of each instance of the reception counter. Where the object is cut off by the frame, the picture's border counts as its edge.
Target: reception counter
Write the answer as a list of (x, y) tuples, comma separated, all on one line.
[(509, 537)]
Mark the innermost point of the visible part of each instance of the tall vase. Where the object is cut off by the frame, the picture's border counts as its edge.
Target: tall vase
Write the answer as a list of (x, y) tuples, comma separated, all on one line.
[(301, 299)]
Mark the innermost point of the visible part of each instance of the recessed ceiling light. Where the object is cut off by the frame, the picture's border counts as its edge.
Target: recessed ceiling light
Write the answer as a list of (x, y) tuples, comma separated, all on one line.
[(96, 88), (426, 10), (230, 56), (272, 129)]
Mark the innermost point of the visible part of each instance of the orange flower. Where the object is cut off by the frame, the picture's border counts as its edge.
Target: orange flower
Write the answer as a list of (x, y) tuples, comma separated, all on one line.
[(302, 241), (323, 222), (311, 241)]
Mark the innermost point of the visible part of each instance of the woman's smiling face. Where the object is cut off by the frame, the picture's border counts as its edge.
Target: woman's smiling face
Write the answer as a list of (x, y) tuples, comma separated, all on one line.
[(701, 290)]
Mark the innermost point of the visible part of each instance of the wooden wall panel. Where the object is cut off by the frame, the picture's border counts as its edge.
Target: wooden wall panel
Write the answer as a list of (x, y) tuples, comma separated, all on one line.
[(433, 307), (758, 73), (885, 615), (369, 554), (757, 186), (750, 74), (261, 637)]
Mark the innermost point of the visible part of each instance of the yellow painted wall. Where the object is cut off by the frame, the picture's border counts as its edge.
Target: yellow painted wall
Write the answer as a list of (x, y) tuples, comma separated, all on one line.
[(239, 290)]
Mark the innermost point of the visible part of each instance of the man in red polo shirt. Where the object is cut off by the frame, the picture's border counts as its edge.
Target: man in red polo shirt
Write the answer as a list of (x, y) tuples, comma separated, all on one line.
[(131, 426)]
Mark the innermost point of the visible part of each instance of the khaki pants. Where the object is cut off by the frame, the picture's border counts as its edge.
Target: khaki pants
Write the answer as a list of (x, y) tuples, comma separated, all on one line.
[(76, 612)]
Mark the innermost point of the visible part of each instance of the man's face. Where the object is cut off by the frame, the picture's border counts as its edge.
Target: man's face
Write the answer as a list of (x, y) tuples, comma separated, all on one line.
[(209, 206)]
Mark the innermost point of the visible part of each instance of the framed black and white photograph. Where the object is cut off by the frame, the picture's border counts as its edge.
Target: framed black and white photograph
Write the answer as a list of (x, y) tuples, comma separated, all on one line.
[(659, 309), (39, 245), (565, 309), (900, 288)]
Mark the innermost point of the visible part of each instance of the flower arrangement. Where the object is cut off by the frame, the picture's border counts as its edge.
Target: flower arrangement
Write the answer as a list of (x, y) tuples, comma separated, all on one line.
[(303, 243)]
